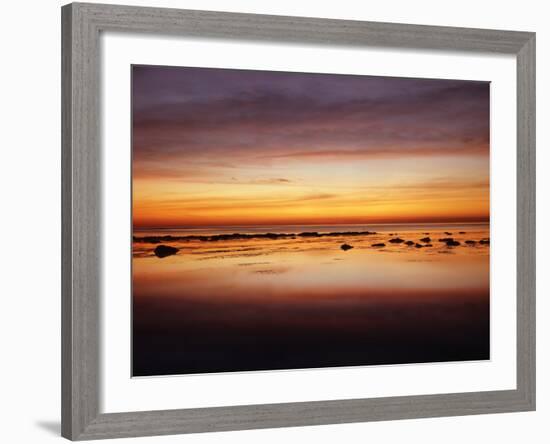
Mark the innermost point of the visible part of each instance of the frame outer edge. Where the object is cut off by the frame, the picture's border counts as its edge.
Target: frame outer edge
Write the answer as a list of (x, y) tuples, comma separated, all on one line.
[(526, 221), (66, 222), (247, 417), (81, 233), (169, 21)]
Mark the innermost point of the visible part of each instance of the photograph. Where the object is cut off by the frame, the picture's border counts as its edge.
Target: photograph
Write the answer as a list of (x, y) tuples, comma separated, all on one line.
[(290, 220)]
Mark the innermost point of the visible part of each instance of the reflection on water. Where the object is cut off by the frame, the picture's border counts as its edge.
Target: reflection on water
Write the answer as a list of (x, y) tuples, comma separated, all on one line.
[(258, 304)]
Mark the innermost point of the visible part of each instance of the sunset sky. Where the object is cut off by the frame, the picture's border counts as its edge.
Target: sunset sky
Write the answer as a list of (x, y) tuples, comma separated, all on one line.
[(234, 147)]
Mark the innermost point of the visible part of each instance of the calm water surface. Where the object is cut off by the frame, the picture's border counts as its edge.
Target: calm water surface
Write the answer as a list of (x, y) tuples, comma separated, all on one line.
[(260, 304)]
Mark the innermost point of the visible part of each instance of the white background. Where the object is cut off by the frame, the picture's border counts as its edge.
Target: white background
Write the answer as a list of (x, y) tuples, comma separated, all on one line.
[(121, 393), (30, 222)]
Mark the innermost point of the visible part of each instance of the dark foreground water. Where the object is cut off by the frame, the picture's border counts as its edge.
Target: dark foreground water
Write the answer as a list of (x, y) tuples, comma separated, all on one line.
[(265, 304)]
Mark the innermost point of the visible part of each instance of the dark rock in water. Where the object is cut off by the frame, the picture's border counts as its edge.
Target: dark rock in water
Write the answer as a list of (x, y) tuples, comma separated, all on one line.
[(165, 250), (397, 240), (246, 236), (309, 234), (446, 239), (470, 242), (418, 246), (461, 232), (148, 239), (346, 247), (346, 233), (452, 243), (425, 239), (409, 243), (447, 233), (484, 241), (378, 245), (428, 245), (426, 233)]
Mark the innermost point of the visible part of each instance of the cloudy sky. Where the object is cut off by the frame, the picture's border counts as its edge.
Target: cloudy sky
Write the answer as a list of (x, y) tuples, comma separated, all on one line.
[(236, 147)]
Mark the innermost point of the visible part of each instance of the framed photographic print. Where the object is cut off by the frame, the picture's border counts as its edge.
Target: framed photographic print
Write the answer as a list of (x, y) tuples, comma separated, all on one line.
[(278, 221)]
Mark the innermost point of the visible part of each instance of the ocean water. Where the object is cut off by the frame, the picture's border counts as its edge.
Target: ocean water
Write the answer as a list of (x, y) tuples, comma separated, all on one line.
[(289, 303)]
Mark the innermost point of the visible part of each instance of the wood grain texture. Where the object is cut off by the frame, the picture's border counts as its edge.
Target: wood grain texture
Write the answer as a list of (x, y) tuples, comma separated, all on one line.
[(81, 230), (119, 425), (526, 221), (81, 222), (300, 29), (66, 224)]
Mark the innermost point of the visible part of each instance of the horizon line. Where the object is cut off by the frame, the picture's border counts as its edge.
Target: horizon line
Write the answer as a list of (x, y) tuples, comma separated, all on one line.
[(465, 222)]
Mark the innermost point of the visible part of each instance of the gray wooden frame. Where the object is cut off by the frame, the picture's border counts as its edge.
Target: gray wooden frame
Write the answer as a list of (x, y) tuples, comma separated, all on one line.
[(81, 171)]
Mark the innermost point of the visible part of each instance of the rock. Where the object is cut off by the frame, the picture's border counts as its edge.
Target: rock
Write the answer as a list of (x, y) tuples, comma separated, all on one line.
[(461, 232), (447, 233), (470, 242), (147, 239), (346, 247), (418, 246), (426, 239), (426, 233), (446, 239), (378, 245), (347, 233), (165, 250), (246, 236), (409, 243), (452, 243), (428, 245), (484, 241), (396, 240)]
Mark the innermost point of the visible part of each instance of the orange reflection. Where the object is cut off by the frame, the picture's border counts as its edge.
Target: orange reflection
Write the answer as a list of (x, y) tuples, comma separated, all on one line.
[(367, 305)]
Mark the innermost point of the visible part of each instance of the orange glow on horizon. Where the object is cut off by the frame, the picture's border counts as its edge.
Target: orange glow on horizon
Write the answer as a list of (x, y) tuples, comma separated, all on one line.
[(343, 192)]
